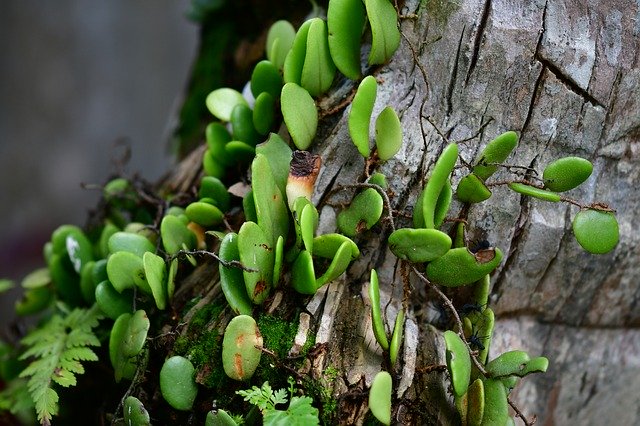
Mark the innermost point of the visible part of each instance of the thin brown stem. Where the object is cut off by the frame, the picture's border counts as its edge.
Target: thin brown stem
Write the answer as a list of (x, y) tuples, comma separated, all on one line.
[(227, 263), (519, 413)]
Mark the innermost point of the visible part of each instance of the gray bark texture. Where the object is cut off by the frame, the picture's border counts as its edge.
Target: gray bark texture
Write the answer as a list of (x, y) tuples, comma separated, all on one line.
[(564, 74)]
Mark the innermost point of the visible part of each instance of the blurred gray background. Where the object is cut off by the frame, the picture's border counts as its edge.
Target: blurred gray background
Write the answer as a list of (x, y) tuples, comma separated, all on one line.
[(76, 76)]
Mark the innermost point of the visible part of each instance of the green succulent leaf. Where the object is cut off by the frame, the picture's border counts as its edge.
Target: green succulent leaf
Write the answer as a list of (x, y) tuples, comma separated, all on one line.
[(596, 231), (111, 302), (156, 272), (396, 337), (177, 383), (532, 191), (419, 245), (175, 235), (380, 397), (232, 279), (458, 362), (318, 70), (278, 155), (221, 102), (300, 114), (327, 245), (126, 270), (495, 152), (242, 126), (459, 266), (295, 59), (204, 214), (241, 348), (566, 173), (213, 188), (439, 176), (496, 406), (256, 254), (385, 34), (303, 277), (362, 214), (345, 22), (263, 113), (126, 341), (266, 78), (135, 414), (360, 114), (279, 41), (376, 314), (129, 242), (471, 189), (271, 208), (388, 133)]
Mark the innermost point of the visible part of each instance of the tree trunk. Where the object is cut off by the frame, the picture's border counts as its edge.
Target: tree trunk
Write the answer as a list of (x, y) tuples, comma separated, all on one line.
[(564, 75)]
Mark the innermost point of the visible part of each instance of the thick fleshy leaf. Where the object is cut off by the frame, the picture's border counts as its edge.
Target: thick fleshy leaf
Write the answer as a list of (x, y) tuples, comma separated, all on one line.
[(345, 21), (494, 153), (294, 61), (241, 348), (419, 245), (596, 231), (360, 114), (471, 189), (388, 133), (300, 114), (266, 78), (318, 70), (232, 279), (458, 362), (534, 192), (440, 174), (222, 101), (256, 253), (279, 41), (384, 30), (566, 173), (156, 273), (459, 266), (129, 242), (380, 397), (177, 383), (271, 208)]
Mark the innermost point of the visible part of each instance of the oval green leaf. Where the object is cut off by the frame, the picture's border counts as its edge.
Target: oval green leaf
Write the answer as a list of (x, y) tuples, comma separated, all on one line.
[(318, 70), (221, 102), (458, 362), (380, 397), (300, 114), (241, 348), (345, 22), (388, 133), (496, 151), (566, 173), (360, 114), (419, 245), (232, 279), (534, 192), (177, 383), (459, 266), (596, 231), (385, 35), (256, 253), (266, 78)]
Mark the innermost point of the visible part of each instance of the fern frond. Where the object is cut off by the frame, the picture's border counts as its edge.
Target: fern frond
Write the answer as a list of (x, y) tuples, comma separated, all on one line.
[(58, 347)]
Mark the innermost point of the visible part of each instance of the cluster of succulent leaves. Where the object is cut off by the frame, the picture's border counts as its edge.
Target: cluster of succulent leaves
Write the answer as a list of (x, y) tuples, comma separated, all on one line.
[(114, 277)]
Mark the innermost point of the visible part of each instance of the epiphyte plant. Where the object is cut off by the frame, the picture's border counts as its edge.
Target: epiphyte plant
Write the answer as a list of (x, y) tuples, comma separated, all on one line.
[(130, 265)]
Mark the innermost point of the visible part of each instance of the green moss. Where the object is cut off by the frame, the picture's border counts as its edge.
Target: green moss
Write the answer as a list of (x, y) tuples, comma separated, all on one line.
[(320, 391), (278, 334)]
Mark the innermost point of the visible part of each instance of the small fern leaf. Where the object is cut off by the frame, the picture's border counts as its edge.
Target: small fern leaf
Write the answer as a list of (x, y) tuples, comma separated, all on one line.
[(63, 377), (56, 350), (47, 407)]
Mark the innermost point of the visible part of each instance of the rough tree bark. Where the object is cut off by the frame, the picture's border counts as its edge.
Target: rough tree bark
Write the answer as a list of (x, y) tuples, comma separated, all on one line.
[(564, 74)]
